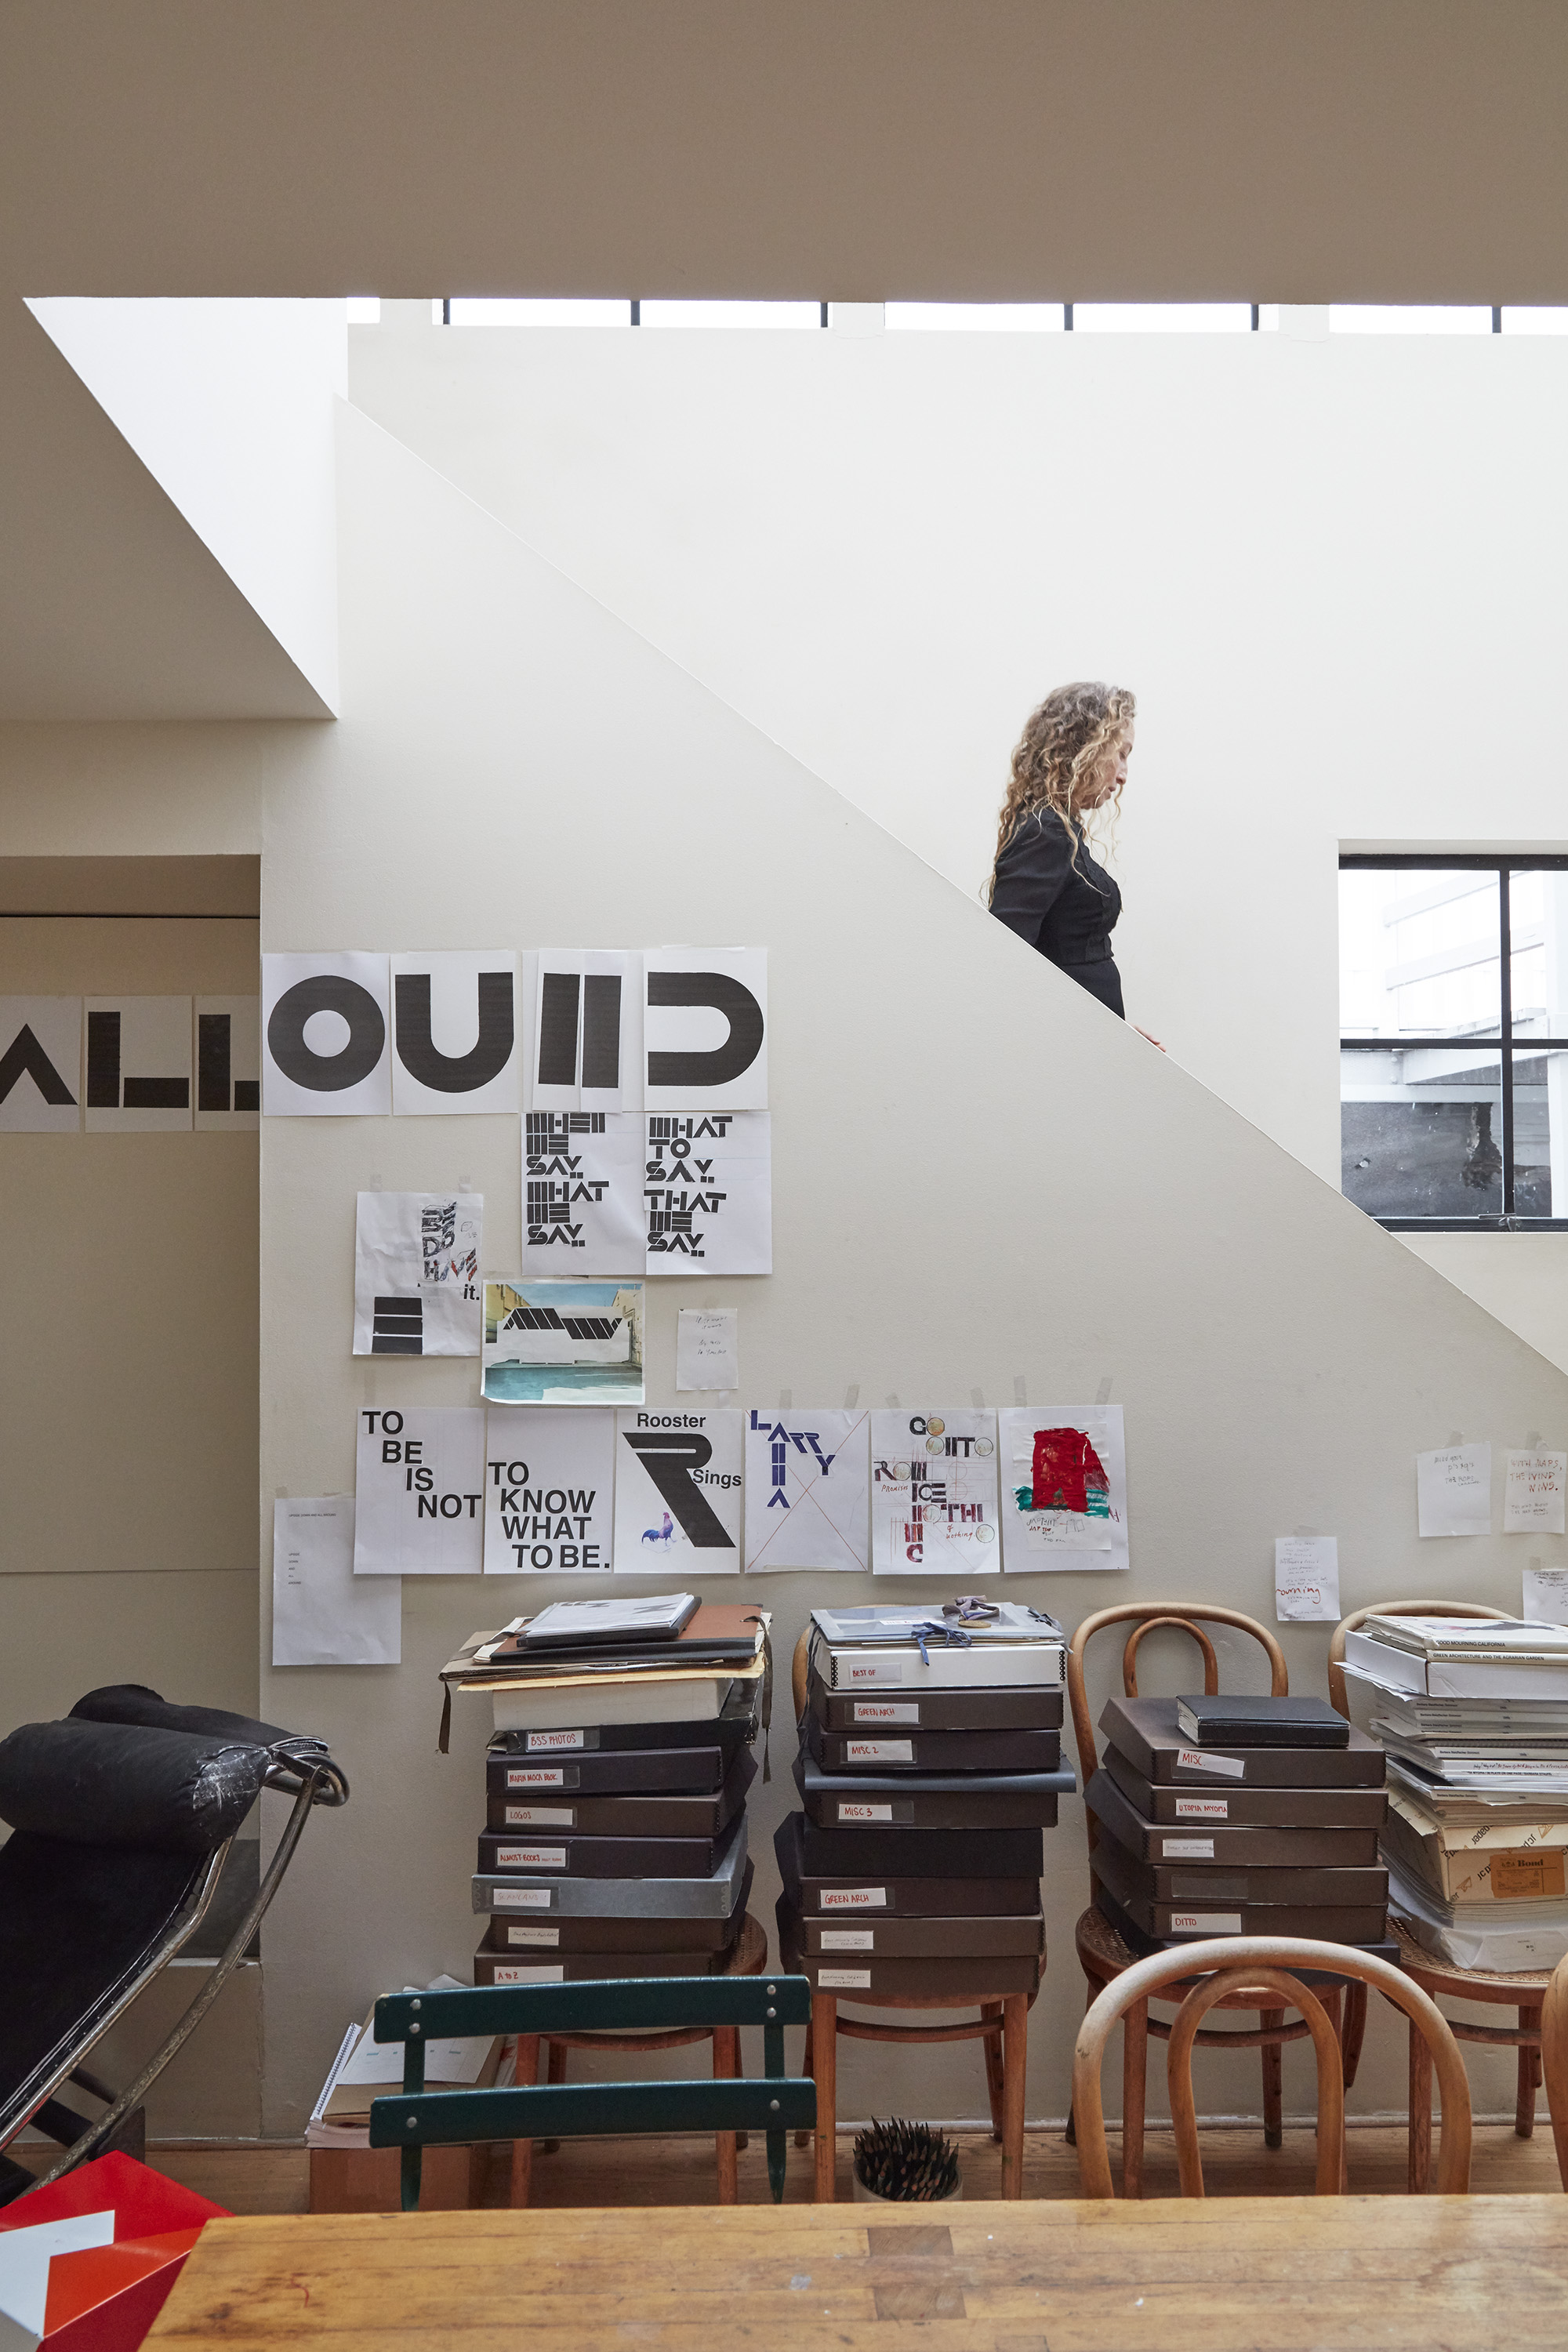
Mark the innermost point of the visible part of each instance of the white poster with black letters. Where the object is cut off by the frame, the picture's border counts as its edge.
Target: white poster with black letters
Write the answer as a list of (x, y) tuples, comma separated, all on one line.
[(806, 1490), (708, 1192), (678, 1492), (40, 1064), (455, 1033), (138, 1065), (933, 1492), (416, 1273), (419, 1491), (228, 1064), (705, 1029), (582, 1192), (586, 1029), (549, 1488), (325, 1035)]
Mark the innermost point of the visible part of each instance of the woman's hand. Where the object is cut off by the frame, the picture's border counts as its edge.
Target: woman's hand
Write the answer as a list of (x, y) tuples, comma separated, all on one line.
[(1153, 1041)]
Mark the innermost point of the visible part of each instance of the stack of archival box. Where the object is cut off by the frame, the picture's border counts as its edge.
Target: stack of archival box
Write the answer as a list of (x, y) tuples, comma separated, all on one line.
[(930, 1763), (614, 1842), (1473, 1713), (1224, 1816)]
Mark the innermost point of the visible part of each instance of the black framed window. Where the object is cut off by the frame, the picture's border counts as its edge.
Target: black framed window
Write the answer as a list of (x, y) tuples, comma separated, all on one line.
[(1454, 1041)]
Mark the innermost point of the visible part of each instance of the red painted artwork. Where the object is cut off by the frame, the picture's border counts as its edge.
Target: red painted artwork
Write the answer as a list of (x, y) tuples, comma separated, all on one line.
[(1066, 1467)]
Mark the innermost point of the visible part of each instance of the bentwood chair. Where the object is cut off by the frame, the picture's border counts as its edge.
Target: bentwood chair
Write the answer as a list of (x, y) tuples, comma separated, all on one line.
[(772, 2102), (1002, 2028), (1261, 1972), (1524, 1991), (1103, 1954), (1554, 2060)]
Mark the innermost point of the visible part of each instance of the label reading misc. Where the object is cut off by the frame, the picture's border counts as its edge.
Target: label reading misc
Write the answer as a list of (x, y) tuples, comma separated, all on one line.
[(508, 1972), (531, 1857), (843, 1980), (539, 1817), (888, 1710), (521, 1898), (860, 1813), (1206, 1923), (849, 1939), (1203, 1809), (535, 1775), (540, 1740), (548, 1935), (880, 1751), (1204, 1759), (853, 1898), (1186, 1849)]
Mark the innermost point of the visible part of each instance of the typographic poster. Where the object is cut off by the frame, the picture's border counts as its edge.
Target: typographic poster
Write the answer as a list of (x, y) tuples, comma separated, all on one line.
[(562, 1342), (416, 1273), (419, 1491), (705, 1029), (138, 1065), (456, 1035), (228, 1064), (807, 1503), (678, 1492), (708, 1192), (1064, 1488), (586, 1029), (582, 1192), (549, 1482), (40, 1064), (326, 1036), (933, 1492)]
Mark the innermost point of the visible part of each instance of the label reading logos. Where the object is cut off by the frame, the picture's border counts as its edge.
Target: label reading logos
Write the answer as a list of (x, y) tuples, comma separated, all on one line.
[(418, 1488), (935, 1493), (678, 1492), (548, 1481)]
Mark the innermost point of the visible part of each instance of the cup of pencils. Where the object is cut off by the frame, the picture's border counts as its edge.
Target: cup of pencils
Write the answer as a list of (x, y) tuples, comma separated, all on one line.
[(899, 2163)]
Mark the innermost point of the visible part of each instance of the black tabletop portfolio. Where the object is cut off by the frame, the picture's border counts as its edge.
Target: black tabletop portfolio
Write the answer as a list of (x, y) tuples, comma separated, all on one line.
[(1211, 1840), (1382, 1947), (1180, 1803), (1233, 1914), (975, 1801), (930, 1977), (510, 1932), (1222, 1720), (1146, 1730), (658, 1816), (608, 1772), (896, 1939), (870, 1893), (550, 1888), (1019, 1709), (933, 1751)]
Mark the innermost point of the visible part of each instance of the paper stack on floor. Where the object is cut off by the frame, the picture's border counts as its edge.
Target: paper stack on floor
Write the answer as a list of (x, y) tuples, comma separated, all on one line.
[(614, 1842), (1222, 1816), (1473, 1713), (930, 1763)]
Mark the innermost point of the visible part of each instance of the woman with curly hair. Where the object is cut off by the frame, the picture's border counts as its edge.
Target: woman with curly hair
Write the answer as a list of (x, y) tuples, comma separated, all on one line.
[(1047, 886)]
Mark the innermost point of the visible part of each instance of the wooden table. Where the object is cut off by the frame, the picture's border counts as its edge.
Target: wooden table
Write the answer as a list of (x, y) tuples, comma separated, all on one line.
[(1237, 2275)]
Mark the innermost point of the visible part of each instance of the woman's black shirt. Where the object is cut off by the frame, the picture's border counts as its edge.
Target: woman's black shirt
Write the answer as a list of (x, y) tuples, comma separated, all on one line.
[(1064, 905)]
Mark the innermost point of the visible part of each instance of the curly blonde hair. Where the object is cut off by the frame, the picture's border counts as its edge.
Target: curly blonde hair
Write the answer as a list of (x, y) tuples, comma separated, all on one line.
[(1062, 743)]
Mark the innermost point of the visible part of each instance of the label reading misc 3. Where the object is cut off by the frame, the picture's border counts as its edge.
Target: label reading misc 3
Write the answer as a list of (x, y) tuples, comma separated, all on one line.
[(1186, 1849), (849, 1939), (531, 1857), (844, 1980), (859, 1812), (880, 1751), (853, 1898), (1203, 1809), (535, 1775), (548, 1935), (1206, 1923), (514, 1972), (546, 1739), (539, 1817), (888, 1710), (521, 1898), (1204, 1759)]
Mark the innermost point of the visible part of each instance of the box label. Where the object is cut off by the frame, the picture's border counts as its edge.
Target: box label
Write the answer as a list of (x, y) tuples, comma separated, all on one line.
[(531, 1857), (888, 1710), (880, 1751), (1186, 1849), (1203, 1809), (848, 1813), (849, 1939), (853, 1898), (534, 1935), (509, 1973), (1204, 1759), (544, 1739), (1524, 1877), (874, 1670), (843, 1980), (535, 1775), (1206, 1923), (539, 1817), (521, 1898)]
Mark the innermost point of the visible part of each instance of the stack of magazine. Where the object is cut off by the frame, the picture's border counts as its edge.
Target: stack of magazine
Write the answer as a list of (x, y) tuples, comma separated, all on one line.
[(614, 1842), (1473, 1713), (930, 1763)]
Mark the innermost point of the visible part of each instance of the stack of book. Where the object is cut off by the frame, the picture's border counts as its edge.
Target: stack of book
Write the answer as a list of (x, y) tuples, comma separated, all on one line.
[(615, 1781), (930, 1763), (1221, 1816), (1473, 1713)]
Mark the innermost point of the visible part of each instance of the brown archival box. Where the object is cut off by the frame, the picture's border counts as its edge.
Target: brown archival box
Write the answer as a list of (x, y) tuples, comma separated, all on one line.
[(1272, 1848), (561, 1933), (1023, 1709), (882, 1895), (631, 1772), (884, 1749), (1214, 1914), (864, 1974), (1146, 1732), (665, 1815), (898, 1939), (1199, 1806), (492, 1968)]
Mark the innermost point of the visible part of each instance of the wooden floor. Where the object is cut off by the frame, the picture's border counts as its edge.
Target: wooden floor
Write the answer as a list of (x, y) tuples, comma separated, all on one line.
[(251, 2179)]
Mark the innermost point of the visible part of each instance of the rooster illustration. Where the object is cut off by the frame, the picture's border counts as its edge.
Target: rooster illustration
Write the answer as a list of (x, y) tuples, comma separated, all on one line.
[(660, 1535)]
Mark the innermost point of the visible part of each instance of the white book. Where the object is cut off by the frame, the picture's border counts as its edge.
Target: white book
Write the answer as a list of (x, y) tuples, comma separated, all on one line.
[(1013, 1621), (683, 1699), (1012, 1665), (1493, 1677)]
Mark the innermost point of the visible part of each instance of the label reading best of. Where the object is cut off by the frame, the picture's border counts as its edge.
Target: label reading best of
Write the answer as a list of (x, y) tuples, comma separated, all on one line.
[(865, 1812), (1186, 1849), (1204, 1759), (849, 1939), (513, 1973), (535, 1775), (521, 1898), (875, 1670), (854, 1899), (531, 1857), (548, 1935), (544, 1740), (1203, 1809), (1206, 1923), (888, 1710), (539, 1817), (844, 1980), (880, 1751)]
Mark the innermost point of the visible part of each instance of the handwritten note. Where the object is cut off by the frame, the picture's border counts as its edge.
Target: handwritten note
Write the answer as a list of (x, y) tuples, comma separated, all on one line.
[(708, 1347), (1306, 1578), (1545, 1595), (1454, 1491), (1533, 1494)]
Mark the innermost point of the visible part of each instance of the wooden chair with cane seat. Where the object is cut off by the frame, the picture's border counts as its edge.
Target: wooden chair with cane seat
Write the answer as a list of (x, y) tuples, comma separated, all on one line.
[(1103, 1954), (1524, 1991), (1261, 1972), (1002, 2027), (1554, 2060)]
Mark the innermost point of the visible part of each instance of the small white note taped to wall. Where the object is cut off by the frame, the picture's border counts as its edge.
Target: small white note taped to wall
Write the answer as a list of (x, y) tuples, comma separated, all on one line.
[(323, 1615), (708, 1347), (1454, 1491), (1546, 1595), (1306, 1578), (1533, 1494)]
